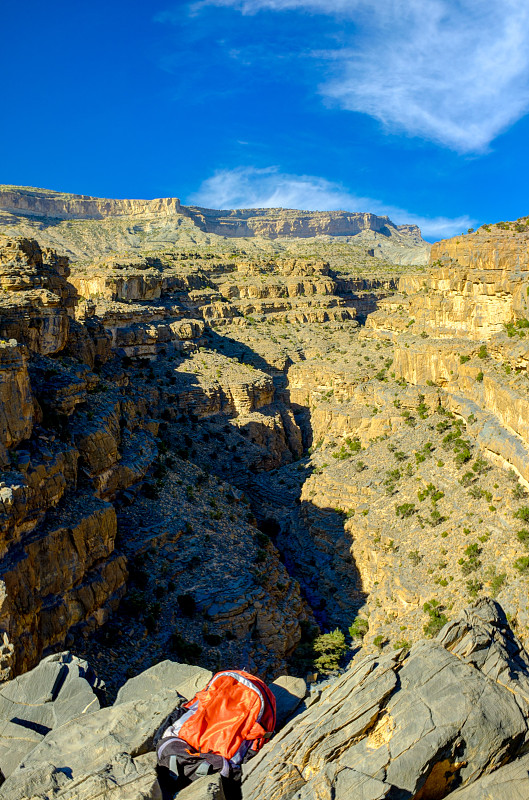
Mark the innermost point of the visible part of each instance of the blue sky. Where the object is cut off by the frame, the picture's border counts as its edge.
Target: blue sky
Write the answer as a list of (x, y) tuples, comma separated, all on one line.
[(414, 108)]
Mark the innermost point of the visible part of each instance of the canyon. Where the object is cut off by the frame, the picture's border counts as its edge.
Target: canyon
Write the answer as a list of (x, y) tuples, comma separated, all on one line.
[(214, 451)]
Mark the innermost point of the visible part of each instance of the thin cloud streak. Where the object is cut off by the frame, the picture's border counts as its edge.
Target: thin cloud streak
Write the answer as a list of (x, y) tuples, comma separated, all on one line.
[(250, 187), (456, 73)]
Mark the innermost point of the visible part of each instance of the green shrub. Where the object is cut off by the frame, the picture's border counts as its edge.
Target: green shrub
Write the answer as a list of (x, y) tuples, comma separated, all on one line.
[(432, 492), (480, 466), (405, 510), (467, 479), (133, 603), (464, 359), (437, 619), (342, 453), (474, 586), (188, 652), (187, 604), (523, 536), (213, 639), (482, 352), (479, 377), (330, 648), (422, 408), (435, 518), (463, 455), (150, 623), (522, 513), (519, 492), (522, 564), (472, 562), (359, 628), (263, 540), (495, 580)]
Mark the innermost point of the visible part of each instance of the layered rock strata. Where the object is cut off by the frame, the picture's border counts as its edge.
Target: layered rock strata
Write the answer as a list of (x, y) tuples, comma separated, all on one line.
[(81, 432), (240, 222), (68, 438)]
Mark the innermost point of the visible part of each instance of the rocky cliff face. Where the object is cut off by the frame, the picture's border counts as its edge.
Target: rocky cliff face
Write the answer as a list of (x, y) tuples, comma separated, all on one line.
[(82, 420), (274, 222), (58, 205), (504, 246), (267, 222)]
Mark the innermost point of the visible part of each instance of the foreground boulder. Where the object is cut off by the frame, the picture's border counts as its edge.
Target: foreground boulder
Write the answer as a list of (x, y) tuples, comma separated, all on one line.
[(417, 724), (107, 754), (449, 717), (61, 688)]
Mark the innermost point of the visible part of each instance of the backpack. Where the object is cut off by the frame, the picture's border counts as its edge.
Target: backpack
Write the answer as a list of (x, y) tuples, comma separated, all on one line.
[(221, 727)]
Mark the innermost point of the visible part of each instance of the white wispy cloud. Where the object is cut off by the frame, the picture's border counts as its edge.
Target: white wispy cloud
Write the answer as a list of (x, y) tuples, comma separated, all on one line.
[(452, 71), (251, 187)]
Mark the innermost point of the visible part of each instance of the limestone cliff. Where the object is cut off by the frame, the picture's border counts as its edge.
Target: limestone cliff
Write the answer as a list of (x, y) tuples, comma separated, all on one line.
[(504, 246), (80, 439), (59, 205), (268, 222)]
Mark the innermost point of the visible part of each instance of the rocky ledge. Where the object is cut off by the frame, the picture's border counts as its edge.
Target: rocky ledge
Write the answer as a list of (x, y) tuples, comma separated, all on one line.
[(448, 717)]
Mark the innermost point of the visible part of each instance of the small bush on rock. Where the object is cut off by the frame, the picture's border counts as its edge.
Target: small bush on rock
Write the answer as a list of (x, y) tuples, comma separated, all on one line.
[(330, 648), (437, 619), (359, 628)]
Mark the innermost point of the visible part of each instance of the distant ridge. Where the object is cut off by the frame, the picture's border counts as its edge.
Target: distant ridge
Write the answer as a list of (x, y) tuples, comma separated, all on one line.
[(85, 226), (268, 222)]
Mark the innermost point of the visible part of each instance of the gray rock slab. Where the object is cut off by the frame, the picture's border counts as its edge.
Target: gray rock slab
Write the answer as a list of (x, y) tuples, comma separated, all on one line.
[(289, 693), (481, 636), (186, 679), (298, 756), (124, 778), (207, 788), (391, 726), (507, 783), (91, 755), (60, 688)]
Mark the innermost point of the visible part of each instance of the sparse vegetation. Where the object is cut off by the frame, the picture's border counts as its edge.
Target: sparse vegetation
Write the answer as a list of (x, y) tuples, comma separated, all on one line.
[(437, 619)]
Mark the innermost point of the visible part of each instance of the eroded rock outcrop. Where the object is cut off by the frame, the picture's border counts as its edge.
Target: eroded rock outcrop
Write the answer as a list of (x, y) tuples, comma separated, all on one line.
[(16, 402), (418, 724), (58, 568), (36, 296)]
